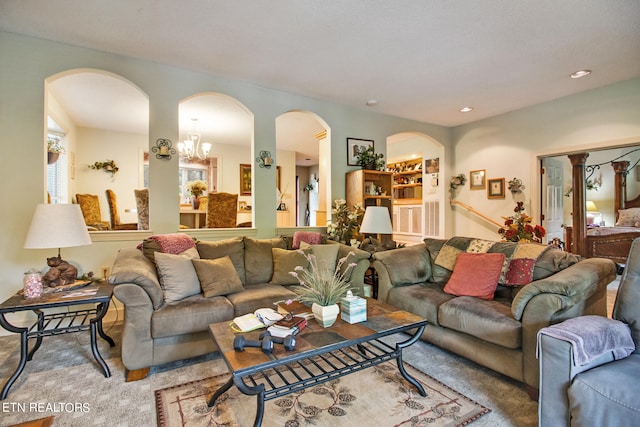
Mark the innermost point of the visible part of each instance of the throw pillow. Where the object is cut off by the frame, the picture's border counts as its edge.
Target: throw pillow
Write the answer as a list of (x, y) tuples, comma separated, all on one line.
[(177, 276), (520, 272), (324, 254), (284, 262), (217, 276), (628, 217), (475, 275), (175, 243), (309, 237)]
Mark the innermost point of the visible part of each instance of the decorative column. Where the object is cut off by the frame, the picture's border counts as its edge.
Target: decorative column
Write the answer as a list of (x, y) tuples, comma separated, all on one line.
[(579, 202), (620, 185), (324, 172)]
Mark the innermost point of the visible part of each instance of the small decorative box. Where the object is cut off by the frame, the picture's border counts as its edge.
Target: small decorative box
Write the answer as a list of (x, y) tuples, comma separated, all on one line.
[(354, 309)]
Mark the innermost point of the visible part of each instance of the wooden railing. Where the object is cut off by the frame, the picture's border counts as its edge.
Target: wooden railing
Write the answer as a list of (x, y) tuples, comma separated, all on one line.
[(476, 213)]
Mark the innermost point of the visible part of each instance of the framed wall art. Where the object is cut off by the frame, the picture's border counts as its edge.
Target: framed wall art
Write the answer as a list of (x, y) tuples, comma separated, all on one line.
[(477, 180), (355, 146), (245, 180), (495, 189)]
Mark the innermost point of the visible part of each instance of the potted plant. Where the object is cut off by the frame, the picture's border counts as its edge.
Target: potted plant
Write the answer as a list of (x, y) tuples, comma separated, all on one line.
[(196, 189), (369, 159), (54, 149), (322, 287), (345, 223)]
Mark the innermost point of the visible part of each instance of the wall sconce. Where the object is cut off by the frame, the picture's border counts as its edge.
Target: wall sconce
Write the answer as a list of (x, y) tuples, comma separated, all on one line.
[(264, 160), (163, 149)]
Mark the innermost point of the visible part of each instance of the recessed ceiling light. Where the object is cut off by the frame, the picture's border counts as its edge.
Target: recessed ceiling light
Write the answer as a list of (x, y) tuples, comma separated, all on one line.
[(580, 73), (372, 103), (466, 109)]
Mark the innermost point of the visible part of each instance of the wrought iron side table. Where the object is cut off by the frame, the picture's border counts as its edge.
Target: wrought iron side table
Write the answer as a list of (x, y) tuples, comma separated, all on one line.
[(58, 323)]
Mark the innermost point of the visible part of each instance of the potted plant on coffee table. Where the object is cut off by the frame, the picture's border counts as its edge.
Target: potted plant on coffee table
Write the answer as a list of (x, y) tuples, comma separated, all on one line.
[(322, 287)]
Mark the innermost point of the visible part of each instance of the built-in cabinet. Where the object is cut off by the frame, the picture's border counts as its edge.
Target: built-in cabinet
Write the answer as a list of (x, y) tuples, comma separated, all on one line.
[(369, 188), (407, 222)]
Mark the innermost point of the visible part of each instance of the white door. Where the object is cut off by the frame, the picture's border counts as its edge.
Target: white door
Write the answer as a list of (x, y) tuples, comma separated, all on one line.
[(553, 198)]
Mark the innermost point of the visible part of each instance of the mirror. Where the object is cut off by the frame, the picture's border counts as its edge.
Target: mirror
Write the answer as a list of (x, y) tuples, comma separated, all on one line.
[(299, 135), (98, 117), (215, 137)]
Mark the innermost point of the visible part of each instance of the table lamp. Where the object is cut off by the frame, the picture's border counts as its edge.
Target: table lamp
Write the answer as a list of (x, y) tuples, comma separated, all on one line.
[(592, 212), (376, 221), (57, 226)]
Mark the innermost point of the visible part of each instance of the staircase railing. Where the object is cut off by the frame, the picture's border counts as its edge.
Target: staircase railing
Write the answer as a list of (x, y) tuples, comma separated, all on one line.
[(476, 213)]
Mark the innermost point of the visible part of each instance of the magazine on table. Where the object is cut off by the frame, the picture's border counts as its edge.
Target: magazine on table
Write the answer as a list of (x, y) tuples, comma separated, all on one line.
[(260, 318)]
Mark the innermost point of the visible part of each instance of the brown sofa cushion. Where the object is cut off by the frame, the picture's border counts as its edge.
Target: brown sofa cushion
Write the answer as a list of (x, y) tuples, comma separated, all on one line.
[(422, 299), (234, 248), (487, 320), (258, 296), (259, 260), (192, 314), (284, 262)]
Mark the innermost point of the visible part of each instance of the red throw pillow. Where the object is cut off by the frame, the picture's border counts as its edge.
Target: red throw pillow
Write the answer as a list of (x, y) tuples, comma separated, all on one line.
[(475, 275), (309, 237)]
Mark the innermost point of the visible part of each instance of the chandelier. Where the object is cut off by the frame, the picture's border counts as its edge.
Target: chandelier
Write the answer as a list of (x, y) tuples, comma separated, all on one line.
[(191, 147)]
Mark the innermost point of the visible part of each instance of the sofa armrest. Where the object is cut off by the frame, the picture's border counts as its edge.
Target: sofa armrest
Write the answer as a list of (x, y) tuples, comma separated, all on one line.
[(356, 274), (401, 267), (131, 266), (576, 283), (557, 370), (137, 343)]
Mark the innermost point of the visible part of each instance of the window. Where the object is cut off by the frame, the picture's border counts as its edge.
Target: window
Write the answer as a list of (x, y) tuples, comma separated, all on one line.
[(58, 171)]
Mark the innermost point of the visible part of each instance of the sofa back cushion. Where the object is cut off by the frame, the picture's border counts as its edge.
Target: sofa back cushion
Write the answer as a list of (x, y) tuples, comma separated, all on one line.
[(233, 248), (258, 260), (284, 262), (402, 270), (177, 276)]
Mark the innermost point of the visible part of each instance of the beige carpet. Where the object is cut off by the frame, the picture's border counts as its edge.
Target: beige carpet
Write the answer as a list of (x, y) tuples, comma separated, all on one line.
[(378, 393)]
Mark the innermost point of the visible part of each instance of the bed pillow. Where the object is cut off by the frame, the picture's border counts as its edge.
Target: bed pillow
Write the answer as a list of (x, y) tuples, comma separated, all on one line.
[(177, 276), (475, 275), (217, 276), (628, 217)]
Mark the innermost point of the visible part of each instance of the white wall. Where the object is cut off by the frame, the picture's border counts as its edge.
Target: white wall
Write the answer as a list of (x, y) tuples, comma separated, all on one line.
[(509, 145)]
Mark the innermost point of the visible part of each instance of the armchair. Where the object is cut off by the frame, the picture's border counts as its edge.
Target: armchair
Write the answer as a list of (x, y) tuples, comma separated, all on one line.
[(222, 210), (604, 390)]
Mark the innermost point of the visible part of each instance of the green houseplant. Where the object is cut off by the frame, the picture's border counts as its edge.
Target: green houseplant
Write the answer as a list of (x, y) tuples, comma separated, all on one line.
[(369, 159), (322, 286), (108, 166)]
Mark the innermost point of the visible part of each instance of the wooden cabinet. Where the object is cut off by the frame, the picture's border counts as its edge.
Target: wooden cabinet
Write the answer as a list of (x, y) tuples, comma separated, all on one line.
[(407, 180), (369, 188)]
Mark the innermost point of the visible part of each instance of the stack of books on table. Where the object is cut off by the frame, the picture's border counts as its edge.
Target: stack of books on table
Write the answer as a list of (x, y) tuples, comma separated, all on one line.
[(283, 328)]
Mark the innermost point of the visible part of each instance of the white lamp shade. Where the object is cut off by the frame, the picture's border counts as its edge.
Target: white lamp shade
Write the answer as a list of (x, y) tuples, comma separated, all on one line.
[(591, 207), (57, 226), (376, 221)]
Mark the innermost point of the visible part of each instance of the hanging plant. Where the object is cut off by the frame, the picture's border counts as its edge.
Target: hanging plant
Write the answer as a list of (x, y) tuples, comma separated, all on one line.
[(516, 186), (107, 166), (454, 183)]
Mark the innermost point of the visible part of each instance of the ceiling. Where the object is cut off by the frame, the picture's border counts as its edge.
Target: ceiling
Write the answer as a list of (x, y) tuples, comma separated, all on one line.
[(422, 60)]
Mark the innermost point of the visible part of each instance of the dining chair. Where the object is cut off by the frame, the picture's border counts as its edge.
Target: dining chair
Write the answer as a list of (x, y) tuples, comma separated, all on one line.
[(115, 216), (142, 205), (222, 210), (90, 207)]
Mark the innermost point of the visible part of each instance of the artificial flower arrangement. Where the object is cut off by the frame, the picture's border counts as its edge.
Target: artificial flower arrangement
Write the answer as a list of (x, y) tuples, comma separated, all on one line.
[(319, 283), (518, 227), (196, 188), (457, 181), (54, 146), (345, 223), (516, 186)]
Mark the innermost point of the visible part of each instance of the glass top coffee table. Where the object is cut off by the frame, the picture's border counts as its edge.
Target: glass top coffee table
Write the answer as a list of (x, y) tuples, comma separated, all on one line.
[(321, 354)]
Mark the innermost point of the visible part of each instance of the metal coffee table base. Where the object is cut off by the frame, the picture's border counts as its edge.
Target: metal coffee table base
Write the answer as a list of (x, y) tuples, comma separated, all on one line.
[(316, 367)]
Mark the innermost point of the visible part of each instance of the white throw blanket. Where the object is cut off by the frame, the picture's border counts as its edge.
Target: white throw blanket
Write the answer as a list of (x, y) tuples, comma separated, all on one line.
[(592, 336)]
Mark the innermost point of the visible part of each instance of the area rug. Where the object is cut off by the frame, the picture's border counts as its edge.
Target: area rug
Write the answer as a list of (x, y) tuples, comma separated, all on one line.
[(375, 396)]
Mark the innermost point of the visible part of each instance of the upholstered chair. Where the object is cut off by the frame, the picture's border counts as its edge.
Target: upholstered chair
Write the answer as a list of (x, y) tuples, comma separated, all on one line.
[(222, 210), (115, 216), (203, 203), (598, 385), (90, 207), (142, 205)]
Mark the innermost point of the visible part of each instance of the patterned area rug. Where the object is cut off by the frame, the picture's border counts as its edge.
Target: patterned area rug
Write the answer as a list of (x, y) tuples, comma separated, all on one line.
[(375, 396)]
